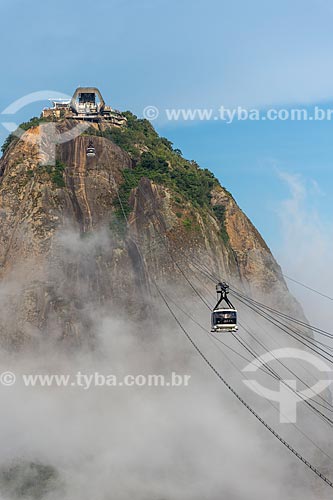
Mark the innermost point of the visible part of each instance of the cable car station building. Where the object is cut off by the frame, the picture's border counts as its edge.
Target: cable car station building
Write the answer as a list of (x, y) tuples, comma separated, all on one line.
[(87, 104)]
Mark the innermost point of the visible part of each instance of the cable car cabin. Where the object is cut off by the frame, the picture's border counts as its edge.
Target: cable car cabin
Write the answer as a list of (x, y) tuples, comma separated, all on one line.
[(91, 150), (224, 320)]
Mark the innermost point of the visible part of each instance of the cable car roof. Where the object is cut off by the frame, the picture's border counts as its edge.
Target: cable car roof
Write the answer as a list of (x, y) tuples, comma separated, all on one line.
[(224, 310)]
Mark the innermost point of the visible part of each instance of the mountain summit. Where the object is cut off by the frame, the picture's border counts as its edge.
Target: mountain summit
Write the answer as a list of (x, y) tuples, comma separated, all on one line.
[(118, 209)]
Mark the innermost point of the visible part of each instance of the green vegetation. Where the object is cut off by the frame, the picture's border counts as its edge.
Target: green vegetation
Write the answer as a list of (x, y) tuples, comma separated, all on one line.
[(219, 212), (187, 223), (34, 122), (56, 173), (155, 158), (8, 142)]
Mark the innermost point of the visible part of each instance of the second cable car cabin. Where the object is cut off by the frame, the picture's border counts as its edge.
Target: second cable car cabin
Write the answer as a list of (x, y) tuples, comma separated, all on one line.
[(91, 150), (224, 319)]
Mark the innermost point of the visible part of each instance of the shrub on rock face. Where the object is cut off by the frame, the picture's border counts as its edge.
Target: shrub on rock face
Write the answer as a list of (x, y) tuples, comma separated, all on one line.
[(11, 138), (219, 212), (34, 122), (56, 172)]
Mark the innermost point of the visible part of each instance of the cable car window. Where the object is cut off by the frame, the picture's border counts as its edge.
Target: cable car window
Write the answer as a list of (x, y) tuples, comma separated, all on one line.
[(220, 318)]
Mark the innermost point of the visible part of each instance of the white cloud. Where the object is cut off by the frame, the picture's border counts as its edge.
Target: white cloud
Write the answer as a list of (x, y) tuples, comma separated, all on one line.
[(306, 247)]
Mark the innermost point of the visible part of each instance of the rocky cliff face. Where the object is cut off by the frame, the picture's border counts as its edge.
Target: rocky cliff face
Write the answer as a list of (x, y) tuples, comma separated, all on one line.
[(66, 251)]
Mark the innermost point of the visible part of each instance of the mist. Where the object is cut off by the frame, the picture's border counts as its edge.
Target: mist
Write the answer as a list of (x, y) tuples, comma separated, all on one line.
[(149, 443), (305, 252)]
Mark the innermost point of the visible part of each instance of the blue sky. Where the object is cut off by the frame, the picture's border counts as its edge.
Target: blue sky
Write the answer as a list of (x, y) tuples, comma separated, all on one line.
[(193, 53)]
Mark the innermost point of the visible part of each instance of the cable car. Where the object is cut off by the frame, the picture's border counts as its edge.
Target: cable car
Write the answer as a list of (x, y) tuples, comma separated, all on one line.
[(91, 150), (224, 319)]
